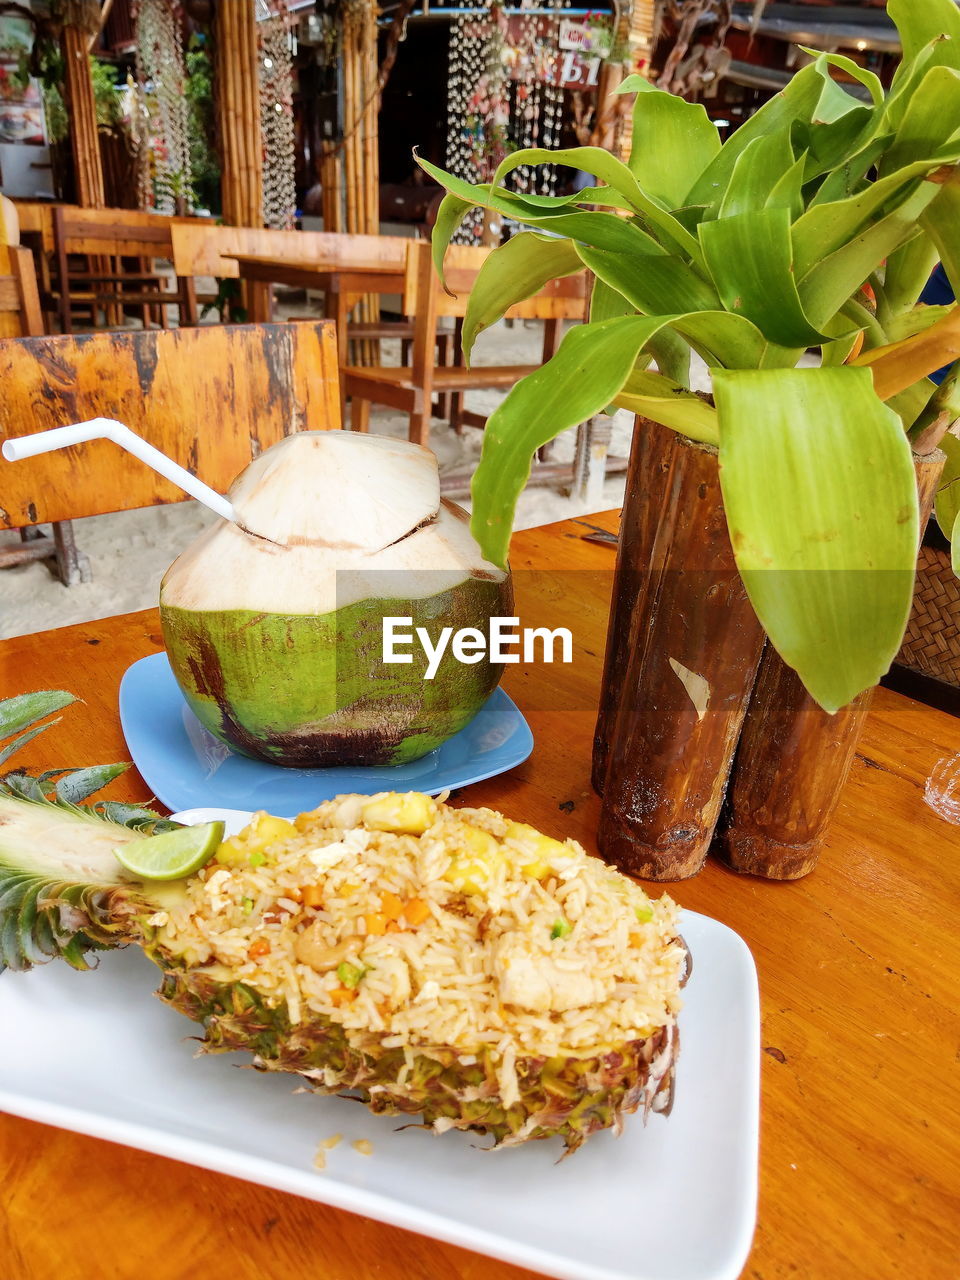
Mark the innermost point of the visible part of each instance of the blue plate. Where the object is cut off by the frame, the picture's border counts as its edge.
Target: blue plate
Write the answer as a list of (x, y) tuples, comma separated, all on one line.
[(186, 766)]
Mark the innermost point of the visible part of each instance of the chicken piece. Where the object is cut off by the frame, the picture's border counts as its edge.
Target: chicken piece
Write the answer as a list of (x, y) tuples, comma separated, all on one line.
[(532, 980)]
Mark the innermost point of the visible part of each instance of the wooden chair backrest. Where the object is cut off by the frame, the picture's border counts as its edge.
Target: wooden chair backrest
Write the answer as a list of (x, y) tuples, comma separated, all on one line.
[(204, 250), (36, 218), (209, 397), (20, 314), (563, 299), (124, 232)]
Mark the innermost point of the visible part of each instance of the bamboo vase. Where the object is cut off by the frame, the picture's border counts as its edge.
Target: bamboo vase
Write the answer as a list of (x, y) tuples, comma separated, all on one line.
[(793, 758), (682, 654)]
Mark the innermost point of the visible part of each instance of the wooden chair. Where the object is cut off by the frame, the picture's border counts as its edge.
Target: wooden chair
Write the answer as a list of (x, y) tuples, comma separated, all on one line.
[(411, 388), (210, 397), (20, 314), (106, 237), (36, 232)]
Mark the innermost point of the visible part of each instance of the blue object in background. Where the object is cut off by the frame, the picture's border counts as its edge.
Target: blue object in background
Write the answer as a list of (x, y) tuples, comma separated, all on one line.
[(937, 293), (187, 767)]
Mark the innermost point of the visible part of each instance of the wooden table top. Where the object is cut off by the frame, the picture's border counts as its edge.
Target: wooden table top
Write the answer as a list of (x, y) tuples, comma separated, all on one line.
[(371, 274), (858, 964)]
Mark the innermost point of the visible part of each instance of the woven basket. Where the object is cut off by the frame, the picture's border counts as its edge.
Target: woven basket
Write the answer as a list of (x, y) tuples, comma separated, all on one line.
[(931, 645)]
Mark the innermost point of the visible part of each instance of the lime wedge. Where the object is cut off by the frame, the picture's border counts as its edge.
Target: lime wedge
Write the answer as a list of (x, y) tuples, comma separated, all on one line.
[(173, 854)]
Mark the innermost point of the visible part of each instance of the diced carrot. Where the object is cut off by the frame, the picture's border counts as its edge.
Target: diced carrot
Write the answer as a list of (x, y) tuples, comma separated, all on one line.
[(293, 894), (636, 939), (259, 948), (376, 923), (391, 906), (415, 911), (342, 995), (312, 895)]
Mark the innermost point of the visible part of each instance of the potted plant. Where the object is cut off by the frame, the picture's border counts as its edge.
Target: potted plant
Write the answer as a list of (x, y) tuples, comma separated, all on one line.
[(773, 525)]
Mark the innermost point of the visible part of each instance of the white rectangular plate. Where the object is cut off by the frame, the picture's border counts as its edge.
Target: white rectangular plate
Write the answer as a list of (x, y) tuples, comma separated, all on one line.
[(673, 1201)]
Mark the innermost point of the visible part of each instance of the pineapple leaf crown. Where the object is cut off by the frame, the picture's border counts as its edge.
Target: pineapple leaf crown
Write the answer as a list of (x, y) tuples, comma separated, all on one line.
[(59, 897), (64, 788)]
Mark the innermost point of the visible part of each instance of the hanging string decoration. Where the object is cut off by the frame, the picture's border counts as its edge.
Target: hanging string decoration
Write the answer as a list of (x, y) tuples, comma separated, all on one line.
[(277, 46), (504, 94), (477, 112), (161, 75)]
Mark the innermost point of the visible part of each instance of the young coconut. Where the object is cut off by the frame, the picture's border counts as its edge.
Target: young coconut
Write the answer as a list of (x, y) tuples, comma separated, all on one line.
[(274, 625)]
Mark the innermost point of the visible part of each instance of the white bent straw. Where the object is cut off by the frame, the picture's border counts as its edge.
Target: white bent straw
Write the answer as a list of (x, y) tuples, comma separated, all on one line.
[(109, 429)]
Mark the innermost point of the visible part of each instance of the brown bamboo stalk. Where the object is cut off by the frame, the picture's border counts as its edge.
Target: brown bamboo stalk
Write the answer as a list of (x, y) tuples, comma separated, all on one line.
[(793, 758), (676, 701), (371, 164), (84, 136), (238, 111)]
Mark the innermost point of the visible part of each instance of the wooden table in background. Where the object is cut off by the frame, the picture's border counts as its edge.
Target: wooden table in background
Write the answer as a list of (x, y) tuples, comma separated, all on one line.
[(859, 965), (340, 284)]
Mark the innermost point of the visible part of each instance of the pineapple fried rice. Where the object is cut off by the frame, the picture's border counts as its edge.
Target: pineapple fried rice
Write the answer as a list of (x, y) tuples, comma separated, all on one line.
[(444, 961)]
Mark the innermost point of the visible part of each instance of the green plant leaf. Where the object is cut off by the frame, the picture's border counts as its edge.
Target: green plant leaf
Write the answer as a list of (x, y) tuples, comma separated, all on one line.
[(825, 228), (787, 191), (931, 23), (25, 709), (830, 144), (798, 101), (453, 209), (654, 285), (946, 505), (672, 355), (915, 321), (906, 272), (820, 496), (929, 121), (513, 272), (940, 221), (603, 230), (750, 258), (614, 173), (586, 375), (606, 303), (653, 396), (826, 286), (673, 141), (871, 82), (760, 167), (850, 177)]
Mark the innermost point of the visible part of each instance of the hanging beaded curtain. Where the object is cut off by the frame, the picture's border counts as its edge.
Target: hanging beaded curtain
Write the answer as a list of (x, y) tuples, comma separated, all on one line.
[(165, 180), (277, 46), (504, 94)]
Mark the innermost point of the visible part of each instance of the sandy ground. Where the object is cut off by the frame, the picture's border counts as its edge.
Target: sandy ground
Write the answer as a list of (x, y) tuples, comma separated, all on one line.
[(130, 551)]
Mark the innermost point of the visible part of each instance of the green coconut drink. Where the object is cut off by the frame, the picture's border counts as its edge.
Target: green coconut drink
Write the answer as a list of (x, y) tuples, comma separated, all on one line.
[(274, 623)]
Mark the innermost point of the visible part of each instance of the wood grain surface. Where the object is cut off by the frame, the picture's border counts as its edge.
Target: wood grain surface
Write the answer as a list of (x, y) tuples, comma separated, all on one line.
[(210, 250), (211, 398), (858, 963)]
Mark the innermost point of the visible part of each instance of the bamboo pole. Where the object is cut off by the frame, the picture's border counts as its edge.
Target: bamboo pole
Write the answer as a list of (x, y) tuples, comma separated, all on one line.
[(84, 138), (238, 113), (682, 651), (361, 170), (793, 758)]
